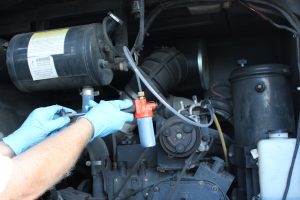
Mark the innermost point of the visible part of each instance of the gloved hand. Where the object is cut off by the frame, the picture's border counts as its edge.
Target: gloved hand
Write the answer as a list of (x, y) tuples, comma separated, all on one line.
[(38, 125), (106, 116)]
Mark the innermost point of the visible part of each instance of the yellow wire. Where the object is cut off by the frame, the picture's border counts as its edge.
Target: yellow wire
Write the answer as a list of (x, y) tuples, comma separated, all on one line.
[(222, 139)]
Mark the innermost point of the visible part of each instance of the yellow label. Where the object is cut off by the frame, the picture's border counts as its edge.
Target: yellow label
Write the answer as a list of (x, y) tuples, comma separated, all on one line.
[(41, 48), (47, 43), (52, 33)]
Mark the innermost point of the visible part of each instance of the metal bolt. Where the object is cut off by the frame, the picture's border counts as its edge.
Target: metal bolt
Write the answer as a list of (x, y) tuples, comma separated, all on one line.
[(214, 188), (260, 87), (156, 189), (195, 99), (179, 136), (67, 174), (242, 62), (182, 105), (88, 163), (121, 66)]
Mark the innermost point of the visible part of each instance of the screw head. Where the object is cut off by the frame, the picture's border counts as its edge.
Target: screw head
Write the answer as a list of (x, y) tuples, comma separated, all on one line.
[(214, 188), (242, 62), (195, 99), (156, 189), (88, 163), (179, 136), (260, 87)]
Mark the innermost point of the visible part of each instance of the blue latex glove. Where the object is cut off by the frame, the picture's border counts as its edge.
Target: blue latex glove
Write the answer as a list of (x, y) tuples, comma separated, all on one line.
[(39, 124), (106, 116)]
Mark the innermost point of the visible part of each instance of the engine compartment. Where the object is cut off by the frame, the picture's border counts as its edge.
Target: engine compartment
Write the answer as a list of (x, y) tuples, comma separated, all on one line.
[(219, 64)]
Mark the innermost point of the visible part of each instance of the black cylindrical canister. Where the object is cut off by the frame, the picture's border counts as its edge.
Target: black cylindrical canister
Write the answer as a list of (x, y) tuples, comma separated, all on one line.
[(262, 101), (58, 59)]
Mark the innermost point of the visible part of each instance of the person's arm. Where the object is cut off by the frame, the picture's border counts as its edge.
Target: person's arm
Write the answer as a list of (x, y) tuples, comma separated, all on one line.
[(5, 150), (45, 164), (38, 126), (39, 168)]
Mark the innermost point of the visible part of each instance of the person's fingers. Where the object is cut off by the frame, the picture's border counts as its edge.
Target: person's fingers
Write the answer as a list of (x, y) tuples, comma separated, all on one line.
[(128, 117), (48, 112), (69, 110), (53, 109), (92, 103), (122, 104), (58, 114)]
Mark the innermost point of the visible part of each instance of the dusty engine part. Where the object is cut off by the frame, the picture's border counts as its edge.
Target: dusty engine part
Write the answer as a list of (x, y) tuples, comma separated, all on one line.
[(180, 139), (59, 59), (210, 176)]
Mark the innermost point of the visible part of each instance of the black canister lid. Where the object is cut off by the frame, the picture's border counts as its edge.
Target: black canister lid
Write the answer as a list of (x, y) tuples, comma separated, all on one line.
[(265, 69)]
